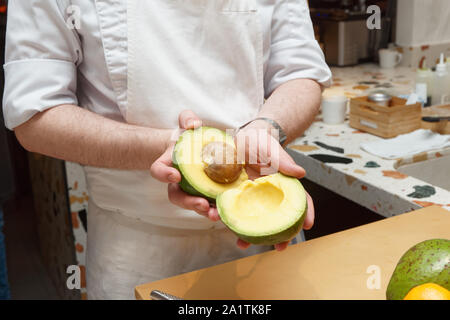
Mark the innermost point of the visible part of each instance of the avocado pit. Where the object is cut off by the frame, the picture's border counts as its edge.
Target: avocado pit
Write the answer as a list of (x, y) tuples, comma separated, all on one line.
[(220, 160)]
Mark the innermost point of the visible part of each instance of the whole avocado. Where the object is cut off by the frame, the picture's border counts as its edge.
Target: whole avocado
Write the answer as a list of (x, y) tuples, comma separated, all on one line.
[(426, 262)]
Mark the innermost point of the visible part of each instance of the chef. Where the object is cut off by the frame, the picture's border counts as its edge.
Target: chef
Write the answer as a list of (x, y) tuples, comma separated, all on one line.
[(104, 83)]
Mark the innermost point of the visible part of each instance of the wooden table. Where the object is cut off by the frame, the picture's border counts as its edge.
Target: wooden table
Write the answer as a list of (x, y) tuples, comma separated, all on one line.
[(337, 266)]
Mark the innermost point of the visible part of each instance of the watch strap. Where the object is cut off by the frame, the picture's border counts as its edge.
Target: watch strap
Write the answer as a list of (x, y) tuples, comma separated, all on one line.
[(281, 134)]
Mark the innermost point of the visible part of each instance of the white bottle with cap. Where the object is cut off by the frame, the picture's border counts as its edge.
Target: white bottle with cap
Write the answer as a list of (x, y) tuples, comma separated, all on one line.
[(441, 83), (424, 84)]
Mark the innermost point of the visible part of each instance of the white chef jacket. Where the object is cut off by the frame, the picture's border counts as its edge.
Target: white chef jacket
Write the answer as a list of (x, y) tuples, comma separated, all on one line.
[(49, 64)]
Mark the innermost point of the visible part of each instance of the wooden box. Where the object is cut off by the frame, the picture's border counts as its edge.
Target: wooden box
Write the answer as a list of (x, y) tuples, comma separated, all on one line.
[(385, 121)]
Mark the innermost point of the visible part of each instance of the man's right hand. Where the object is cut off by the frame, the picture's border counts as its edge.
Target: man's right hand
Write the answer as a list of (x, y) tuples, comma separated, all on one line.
[(163, 171)]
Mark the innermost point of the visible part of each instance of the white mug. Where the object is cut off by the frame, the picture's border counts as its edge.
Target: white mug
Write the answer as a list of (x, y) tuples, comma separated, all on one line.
[(389, 58), (334, 109)]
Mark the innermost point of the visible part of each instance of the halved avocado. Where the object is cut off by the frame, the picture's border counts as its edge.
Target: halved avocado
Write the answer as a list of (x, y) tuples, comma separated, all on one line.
[(266, 211), (187, 158)]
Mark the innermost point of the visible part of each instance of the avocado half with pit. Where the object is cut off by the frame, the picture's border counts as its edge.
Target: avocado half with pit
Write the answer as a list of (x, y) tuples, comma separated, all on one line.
[(265, 211), (189, 158)]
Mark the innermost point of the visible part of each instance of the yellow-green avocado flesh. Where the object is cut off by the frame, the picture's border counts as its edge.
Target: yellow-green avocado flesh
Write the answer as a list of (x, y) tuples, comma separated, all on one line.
[(187, 158), (266, 211)]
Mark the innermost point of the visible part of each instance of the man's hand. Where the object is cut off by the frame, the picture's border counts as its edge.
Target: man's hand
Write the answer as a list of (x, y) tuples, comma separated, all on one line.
[(163, 171)]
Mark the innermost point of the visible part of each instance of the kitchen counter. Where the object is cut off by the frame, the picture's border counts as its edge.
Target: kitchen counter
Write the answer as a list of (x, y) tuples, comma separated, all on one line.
[(366, 179), (354, 81), (338, 266)]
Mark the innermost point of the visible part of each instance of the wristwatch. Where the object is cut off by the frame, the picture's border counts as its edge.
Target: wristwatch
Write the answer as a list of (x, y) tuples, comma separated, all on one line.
[(281, 135)]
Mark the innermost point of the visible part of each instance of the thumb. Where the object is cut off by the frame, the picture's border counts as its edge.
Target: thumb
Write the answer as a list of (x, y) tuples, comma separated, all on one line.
[(279, 159), (189, 120), (288, 166), (162, 169)]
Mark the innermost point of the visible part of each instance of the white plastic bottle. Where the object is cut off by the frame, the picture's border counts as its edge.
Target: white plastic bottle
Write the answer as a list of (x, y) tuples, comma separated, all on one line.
[(441, 88), (424, 84)]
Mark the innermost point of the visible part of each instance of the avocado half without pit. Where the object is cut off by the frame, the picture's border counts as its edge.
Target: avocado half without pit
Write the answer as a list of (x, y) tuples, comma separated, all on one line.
[(265, 211)]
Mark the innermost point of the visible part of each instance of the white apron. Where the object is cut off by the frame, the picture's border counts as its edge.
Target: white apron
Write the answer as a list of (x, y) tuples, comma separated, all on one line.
[(204, 55)]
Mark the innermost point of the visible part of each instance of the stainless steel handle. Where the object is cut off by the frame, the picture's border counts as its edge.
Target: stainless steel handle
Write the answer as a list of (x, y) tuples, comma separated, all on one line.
[(159, 295)]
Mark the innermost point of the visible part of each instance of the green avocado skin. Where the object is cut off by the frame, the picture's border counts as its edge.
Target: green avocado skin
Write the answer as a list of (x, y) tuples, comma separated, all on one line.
[(273, 239), (426, 262), (186, 186)]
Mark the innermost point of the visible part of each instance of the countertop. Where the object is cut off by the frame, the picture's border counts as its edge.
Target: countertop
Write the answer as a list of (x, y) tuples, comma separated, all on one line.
[(353, 264), (364, 178)]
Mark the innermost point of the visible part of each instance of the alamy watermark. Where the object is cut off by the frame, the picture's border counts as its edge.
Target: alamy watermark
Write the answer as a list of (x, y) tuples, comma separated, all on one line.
[(74, 279), (374, 21), (258, 147), (373, 282), (73, 20)]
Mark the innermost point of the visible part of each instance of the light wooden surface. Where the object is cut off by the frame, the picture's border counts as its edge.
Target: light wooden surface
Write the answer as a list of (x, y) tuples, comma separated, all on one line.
[(331, 267)]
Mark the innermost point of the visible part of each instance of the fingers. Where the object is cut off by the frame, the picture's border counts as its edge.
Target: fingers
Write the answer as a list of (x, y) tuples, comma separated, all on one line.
[(309, 222), (310, 215), (183, 200), (189, 120), (281, 246), (288, 166), (200, 205), (162, 169), (264, 152), (213, 214), (242, 244)]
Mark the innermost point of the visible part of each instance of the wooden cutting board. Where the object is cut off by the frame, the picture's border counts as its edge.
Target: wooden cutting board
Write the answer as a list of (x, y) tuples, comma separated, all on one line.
[(337, 266)]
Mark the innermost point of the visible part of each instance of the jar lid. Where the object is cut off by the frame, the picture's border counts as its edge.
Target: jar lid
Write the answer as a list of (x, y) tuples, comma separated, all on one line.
[(379, 97)]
